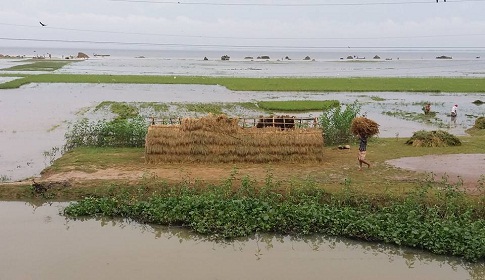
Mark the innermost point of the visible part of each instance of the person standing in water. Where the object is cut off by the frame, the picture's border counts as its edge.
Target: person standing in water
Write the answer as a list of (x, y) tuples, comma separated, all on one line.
[(454, 113)]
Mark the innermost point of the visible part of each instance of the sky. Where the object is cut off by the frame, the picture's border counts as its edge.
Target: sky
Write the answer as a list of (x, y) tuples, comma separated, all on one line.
[(244, 24)]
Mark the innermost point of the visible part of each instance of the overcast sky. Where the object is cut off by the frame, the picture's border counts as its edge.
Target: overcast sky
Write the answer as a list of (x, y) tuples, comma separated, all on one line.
[(243, 24)]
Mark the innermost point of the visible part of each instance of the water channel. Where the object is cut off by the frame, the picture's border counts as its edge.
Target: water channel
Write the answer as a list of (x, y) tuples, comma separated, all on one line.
[(47, 245)]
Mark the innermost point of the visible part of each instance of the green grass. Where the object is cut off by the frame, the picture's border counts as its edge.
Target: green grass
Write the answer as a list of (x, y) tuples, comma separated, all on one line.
[(123, 110), (39, 65), (88, 159), (363, 84), (297, 105), (156, 107)]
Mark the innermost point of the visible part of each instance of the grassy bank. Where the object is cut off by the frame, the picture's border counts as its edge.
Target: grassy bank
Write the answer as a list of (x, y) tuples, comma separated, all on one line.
[(363, 84), (448, 225)]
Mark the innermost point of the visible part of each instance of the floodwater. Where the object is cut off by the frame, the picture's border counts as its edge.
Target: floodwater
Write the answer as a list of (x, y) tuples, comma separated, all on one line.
[(39, 243), (467, 67), (35, 117)]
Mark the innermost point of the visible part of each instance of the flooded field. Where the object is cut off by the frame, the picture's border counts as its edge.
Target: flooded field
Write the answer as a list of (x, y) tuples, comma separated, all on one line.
[(278, 67), (35, 117), (39, 243)]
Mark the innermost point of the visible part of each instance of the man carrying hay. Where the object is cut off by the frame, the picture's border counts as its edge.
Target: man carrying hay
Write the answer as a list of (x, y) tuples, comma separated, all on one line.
[(363, 128), (362, 151)]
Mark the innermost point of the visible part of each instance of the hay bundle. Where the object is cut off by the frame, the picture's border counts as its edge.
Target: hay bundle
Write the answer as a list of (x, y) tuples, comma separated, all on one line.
[(255, 145), (214, 123), (435, 138), (364, 126)]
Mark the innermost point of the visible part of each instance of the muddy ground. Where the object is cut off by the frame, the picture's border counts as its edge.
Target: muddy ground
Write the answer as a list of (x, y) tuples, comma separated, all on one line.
[(465, 168)]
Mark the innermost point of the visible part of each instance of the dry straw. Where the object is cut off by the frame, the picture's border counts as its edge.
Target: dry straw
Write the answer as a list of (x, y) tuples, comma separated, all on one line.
[(219, 139), (364, 127)]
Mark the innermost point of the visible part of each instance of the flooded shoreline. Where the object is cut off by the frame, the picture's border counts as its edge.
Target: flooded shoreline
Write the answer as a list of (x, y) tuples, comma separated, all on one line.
[(39, 243)]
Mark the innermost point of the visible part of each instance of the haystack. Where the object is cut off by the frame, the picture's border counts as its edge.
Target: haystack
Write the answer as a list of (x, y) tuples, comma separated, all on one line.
[(218, 139), (364, 126), (480, 123), (435, 138)]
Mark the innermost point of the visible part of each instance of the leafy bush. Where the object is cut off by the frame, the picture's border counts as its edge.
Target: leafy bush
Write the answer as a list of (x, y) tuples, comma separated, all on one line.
[(336, 123), (115, 133), (435, 138), (442, 221)]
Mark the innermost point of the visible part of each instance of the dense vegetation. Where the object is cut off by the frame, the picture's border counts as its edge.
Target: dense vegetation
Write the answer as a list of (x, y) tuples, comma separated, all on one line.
[(443, 222), (336, 123), (120, 132)]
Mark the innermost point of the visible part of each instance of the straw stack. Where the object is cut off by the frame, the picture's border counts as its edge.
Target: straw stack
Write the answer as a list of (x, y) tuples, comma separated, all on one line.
[(218, 139), (364, 127)]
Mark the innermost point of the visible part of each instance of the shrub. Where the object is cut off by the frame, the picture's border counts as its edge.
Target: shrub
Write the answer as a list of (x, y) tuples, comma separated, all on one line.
[(115, 133), (336, 123)]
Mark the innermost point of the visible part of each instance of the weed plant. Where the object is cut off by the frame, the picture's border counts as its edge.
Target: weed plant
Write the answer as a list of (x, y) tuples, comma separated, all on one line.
[(441, 220), (116, 133), (336, 123)]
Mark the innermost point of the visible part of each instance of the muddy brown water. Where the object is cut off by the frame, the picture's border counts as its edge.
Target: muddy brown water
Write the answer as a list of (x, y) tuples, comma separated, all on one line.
[(38, 243), (468, 168)]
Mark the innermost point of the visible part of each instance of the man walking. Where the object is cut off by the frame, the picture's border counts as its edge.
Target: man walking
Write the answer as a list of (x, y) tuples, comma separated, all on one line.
[(362, 151)]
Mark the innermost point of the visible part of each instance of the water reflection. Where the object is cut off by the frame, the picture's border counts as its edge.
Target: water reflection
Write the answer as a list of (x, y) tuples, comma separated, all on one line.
[(335, 249), (39, 243)]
